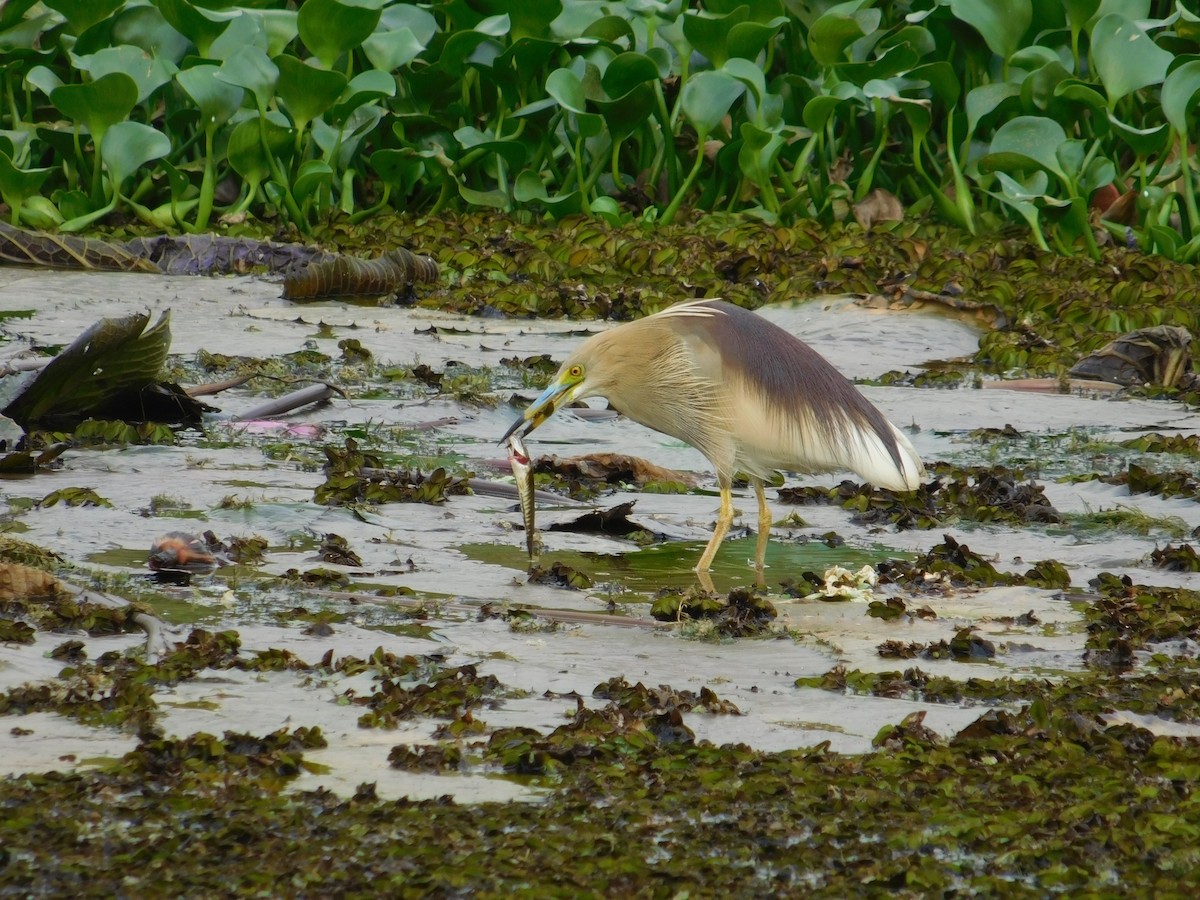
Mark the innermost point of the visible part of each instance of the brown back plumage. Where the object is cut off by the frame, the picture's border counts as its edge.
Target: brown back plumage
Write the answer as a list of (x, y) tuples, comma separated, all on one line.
[(791, 375)]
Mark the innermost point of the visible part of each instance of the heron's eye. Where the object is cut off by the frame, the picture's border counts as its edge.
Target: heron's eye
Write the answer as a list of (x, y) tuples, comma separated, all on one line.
[(575, 371)]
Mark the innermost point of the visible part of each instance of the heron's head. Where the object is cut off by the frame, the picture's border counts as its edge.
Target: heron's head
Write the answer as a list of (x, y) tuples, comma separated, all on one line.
[(570, 383), (628, 365)]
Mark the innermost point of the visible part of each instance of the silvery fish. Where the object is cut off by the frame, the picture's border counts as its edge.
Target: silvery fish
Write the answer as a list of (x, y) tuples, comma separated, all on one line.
[(518, 458)]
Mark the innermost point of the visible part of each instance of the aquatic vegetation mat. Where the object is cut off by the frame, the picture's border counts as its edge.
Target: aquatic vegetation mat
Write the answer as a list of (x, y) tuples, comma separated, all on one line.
[(1045, 797)]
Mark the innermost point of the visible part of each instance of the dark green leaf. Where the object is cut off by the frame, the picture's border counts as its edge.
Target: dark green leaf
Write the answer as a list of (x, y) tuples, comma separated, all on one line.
[(83, 14), (253, 71), (305, 90), (200, 26), (1125, 57), (706, 99), (710, 34), (149, 72), (97, 104), (1178, 94), (1001, 23), (1026, 142), (837, 29), (330, 28), (626, 71), (127, 146), (217, 100)]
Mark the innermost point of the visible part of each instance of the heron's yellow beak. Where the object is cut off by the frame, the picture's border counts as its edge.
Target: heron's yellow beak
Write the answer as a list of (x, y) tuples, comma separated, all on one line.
[(542, 408)]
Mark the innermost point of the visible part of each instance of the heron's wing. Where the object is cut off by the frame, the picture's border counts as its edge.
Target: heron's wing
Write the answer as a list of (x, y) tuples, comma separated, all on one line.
[(790, 407)]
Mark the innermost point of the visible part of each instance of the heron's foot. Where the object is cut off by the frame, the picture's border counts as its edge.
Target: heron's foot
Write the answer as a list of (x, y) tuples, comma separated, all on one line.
[(760, 577)]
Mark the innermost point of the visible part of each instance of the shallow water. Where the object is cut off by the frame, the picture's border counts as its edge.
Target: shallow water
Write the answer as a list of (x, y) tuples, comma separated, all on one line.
[(467, 552)]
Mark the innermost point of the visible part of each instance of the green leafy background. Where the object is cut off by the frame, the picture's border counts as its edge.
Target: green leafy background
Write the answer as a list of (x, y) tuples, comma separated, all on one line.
[(977, 112)]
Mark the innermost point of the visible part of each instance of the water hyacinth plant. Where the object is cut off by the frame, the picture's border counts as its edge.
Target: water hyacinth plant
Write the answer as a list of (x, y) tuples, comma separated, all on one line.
[(1073, 117)]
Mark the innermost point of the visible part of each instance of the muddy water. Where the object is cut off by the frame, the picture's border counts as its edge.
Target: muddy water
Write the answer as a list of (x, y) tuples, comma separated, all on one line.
[(459, 555)]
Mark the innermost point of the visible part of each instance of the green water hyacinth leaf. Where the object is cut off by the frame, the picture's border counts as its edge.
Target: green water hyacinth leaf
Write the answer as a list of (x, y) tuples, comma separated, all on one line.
[(246, 153), (44, 79), (1144, 141), (748, 74), (838, 28), (942, 80), (1026, 143), (1026, 199), (312, 176), (305, 90), (513, 153), (364, 88), (148, 71), (627, 71), (419, 21), (1125, 57), (340, 144), (18, 185), (399, 169), (279, 25), (748, 39), (609, 29), (528, 188), (253, 71), (97, 104), (13, 16), (627, 113), (706, 98), (758, 152), (528, 18), (818, 111), (567, 88), (391, 50), (216, 99), (1178, 95), (1001, 23), (493, 199), (710, 34), (244, 33), (1080, 12), (330, 28), (83, 14), (127, 146), (1081, 93), (200, 26)]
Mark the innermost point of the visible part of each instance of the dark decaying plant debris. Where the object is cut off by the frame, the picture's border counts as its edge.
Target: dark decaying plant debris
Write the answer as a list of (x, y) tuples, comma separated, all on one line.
[(357, 476), (975, 494), (1141, 480), (347, 276), (559, 574), (741, 614), (951, 563), (1160, 355), (113, 370)]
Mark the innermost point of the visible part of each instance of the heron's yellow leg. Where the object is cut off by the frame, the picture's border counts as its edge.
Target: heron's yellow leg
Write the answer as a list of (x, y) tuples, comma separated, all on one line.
[(724, 520), (764, 532)]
